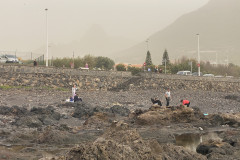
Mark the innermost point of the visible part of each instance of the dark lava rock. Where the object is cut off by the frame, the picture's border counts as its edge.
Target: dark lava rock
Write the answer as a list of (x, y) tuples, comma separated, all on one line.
[(49, 111), (123, 111), (30, 121), (51, 136), (233, 97), (216, 150), (216, 120), (38, 117), (82, 110), (14, 110), (198, 113)]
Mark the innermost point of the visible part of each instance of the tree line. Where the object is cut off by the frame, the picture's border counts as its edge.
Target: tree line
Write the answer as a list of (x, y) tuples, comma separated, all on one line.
[(101, 63), (105, 63), (183, 64)]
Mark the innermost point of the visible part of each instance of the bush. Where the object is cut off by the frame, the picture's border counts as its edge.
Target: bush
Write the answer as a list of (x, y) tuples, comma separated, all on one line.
[(135, 71), (121, 67), (98, 62), (104, 63)]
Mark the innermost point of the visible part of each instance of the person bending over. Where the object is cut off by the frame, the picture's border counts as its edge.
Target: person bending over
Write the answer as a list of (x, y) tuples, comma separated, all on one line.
[(76, 98), (185, 102), (155, 100)]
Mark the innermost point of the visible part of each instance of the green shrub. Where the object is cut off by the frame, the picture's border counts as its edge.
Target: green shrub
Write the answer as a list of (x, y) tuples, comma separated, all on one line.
[(135, 70), (121, 67)]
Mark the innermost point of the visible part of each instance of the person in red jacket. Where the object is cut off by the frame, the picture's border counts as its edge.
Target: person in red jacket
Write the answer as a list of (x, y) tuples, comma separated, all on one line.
[(185, 102)]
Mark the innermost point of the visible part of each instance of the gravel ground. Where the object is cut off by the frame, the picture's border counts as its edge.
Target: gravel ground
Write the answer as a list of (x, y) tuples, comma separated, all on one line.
[(208, 102)]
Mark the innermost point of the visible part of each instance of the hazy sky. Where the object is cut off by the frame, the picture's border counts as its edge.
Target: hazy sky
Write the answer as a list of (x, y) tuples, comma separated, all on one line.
[(23, 22)]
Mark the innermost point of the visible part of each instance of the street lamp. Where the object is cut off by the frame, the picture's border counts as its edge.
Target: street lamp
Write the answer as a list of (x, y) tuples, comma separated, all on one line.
[(198, 55), (46, 37)]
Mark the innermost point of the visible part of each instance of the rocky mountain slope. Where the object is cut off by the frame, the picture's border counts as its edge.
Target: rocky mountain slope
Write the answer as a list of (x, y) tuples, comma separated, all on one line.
[(217, 23)]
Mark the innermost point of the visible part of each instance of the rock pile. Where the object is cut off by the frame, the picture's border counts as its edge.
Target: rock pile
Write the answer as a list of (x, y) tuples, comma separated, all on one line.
[(121, 142), (164, 116), (227, 148)]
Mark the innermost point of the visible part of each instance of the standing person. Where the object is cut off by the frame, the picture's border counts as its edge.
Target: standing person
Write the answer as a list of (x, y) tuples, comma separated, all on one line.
[(74, 89), (168, 96), (160, 70), (86, 65), (185, 102), (35, 63)]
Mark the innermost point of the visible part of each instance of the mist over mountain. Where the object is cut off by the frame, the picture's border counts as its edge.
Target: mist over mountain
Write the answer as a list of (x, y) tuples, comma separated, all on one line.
[(218, 25), (95, 42)]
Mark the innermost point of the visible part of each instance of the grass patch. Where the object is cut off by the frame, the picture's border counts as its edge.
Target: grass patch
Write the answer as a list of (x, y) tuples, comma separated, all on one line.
[(6, 87), (62, 89)]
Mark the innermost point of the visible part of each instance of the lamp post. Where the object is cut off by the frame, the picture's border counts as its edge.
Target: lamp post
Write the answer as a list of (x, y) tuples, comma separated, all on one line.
[(198, 55), (73, 59), (46, 37), (191, 67)]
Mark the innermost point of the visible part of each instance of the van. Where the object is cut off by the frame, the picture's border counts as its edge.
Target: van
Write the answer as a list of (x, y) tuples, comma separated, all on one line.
[(11, 58), (185, 73)]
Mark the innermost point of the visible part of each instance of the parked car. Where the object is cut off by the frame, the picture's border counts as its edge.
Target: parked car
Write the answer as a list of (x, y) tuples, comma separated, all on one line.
[(208, 75), (196, 74), (229, 76), (185, 73), (219, 76), (3, 59), (11, 58)]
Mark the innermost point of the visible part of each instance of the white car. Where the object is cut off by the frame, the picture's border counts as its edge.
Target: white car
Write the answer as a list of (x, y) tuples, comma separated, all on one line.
[(185, 73), (219, 76), (3, 59), (11, 59), (208, 75)]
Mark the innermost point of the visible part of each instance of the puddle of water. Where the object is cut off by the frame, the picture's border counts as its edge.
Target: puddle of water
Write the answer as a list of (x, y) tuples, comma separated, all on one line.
[(191, 140)]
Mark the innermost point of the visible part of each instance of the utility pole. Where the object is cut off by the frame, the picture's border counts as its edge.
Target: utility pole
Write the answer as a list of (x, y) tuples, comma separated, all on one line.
[(198, 55), (16, 54), (216, 59), (73, 59), (227, 61), (46, 37), (190, 65), (52, 60)]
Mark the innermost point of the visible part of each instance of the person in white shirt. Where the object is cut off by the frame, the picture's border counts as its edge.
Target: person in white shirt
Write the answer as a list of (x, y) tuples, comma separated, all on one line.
[(168, 96), (74, 89)]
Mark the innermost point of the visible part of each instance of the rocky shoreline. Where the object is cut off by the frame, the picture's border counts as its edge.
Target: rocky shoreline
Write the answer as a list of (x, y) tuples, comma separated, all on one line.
[(39, 124)]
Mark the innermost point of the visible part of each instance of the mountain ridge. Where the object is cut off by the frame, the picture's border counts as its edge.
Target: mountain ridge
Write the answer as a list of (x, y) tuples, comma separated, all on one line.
[(217, 23)]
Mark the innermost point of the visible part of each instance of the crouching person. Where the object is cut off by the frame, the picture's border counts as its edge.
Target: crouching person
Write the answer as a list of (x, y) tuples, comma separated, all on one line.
[(185, 102), (156, 101), (76, 98)]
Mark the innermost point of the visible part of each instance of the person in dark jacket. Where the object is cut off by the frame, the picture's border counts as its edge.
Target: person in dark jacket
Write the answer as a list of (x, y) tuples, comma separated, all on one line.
[(35, 63), (76, 98), (156, 101), (185, 102)]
